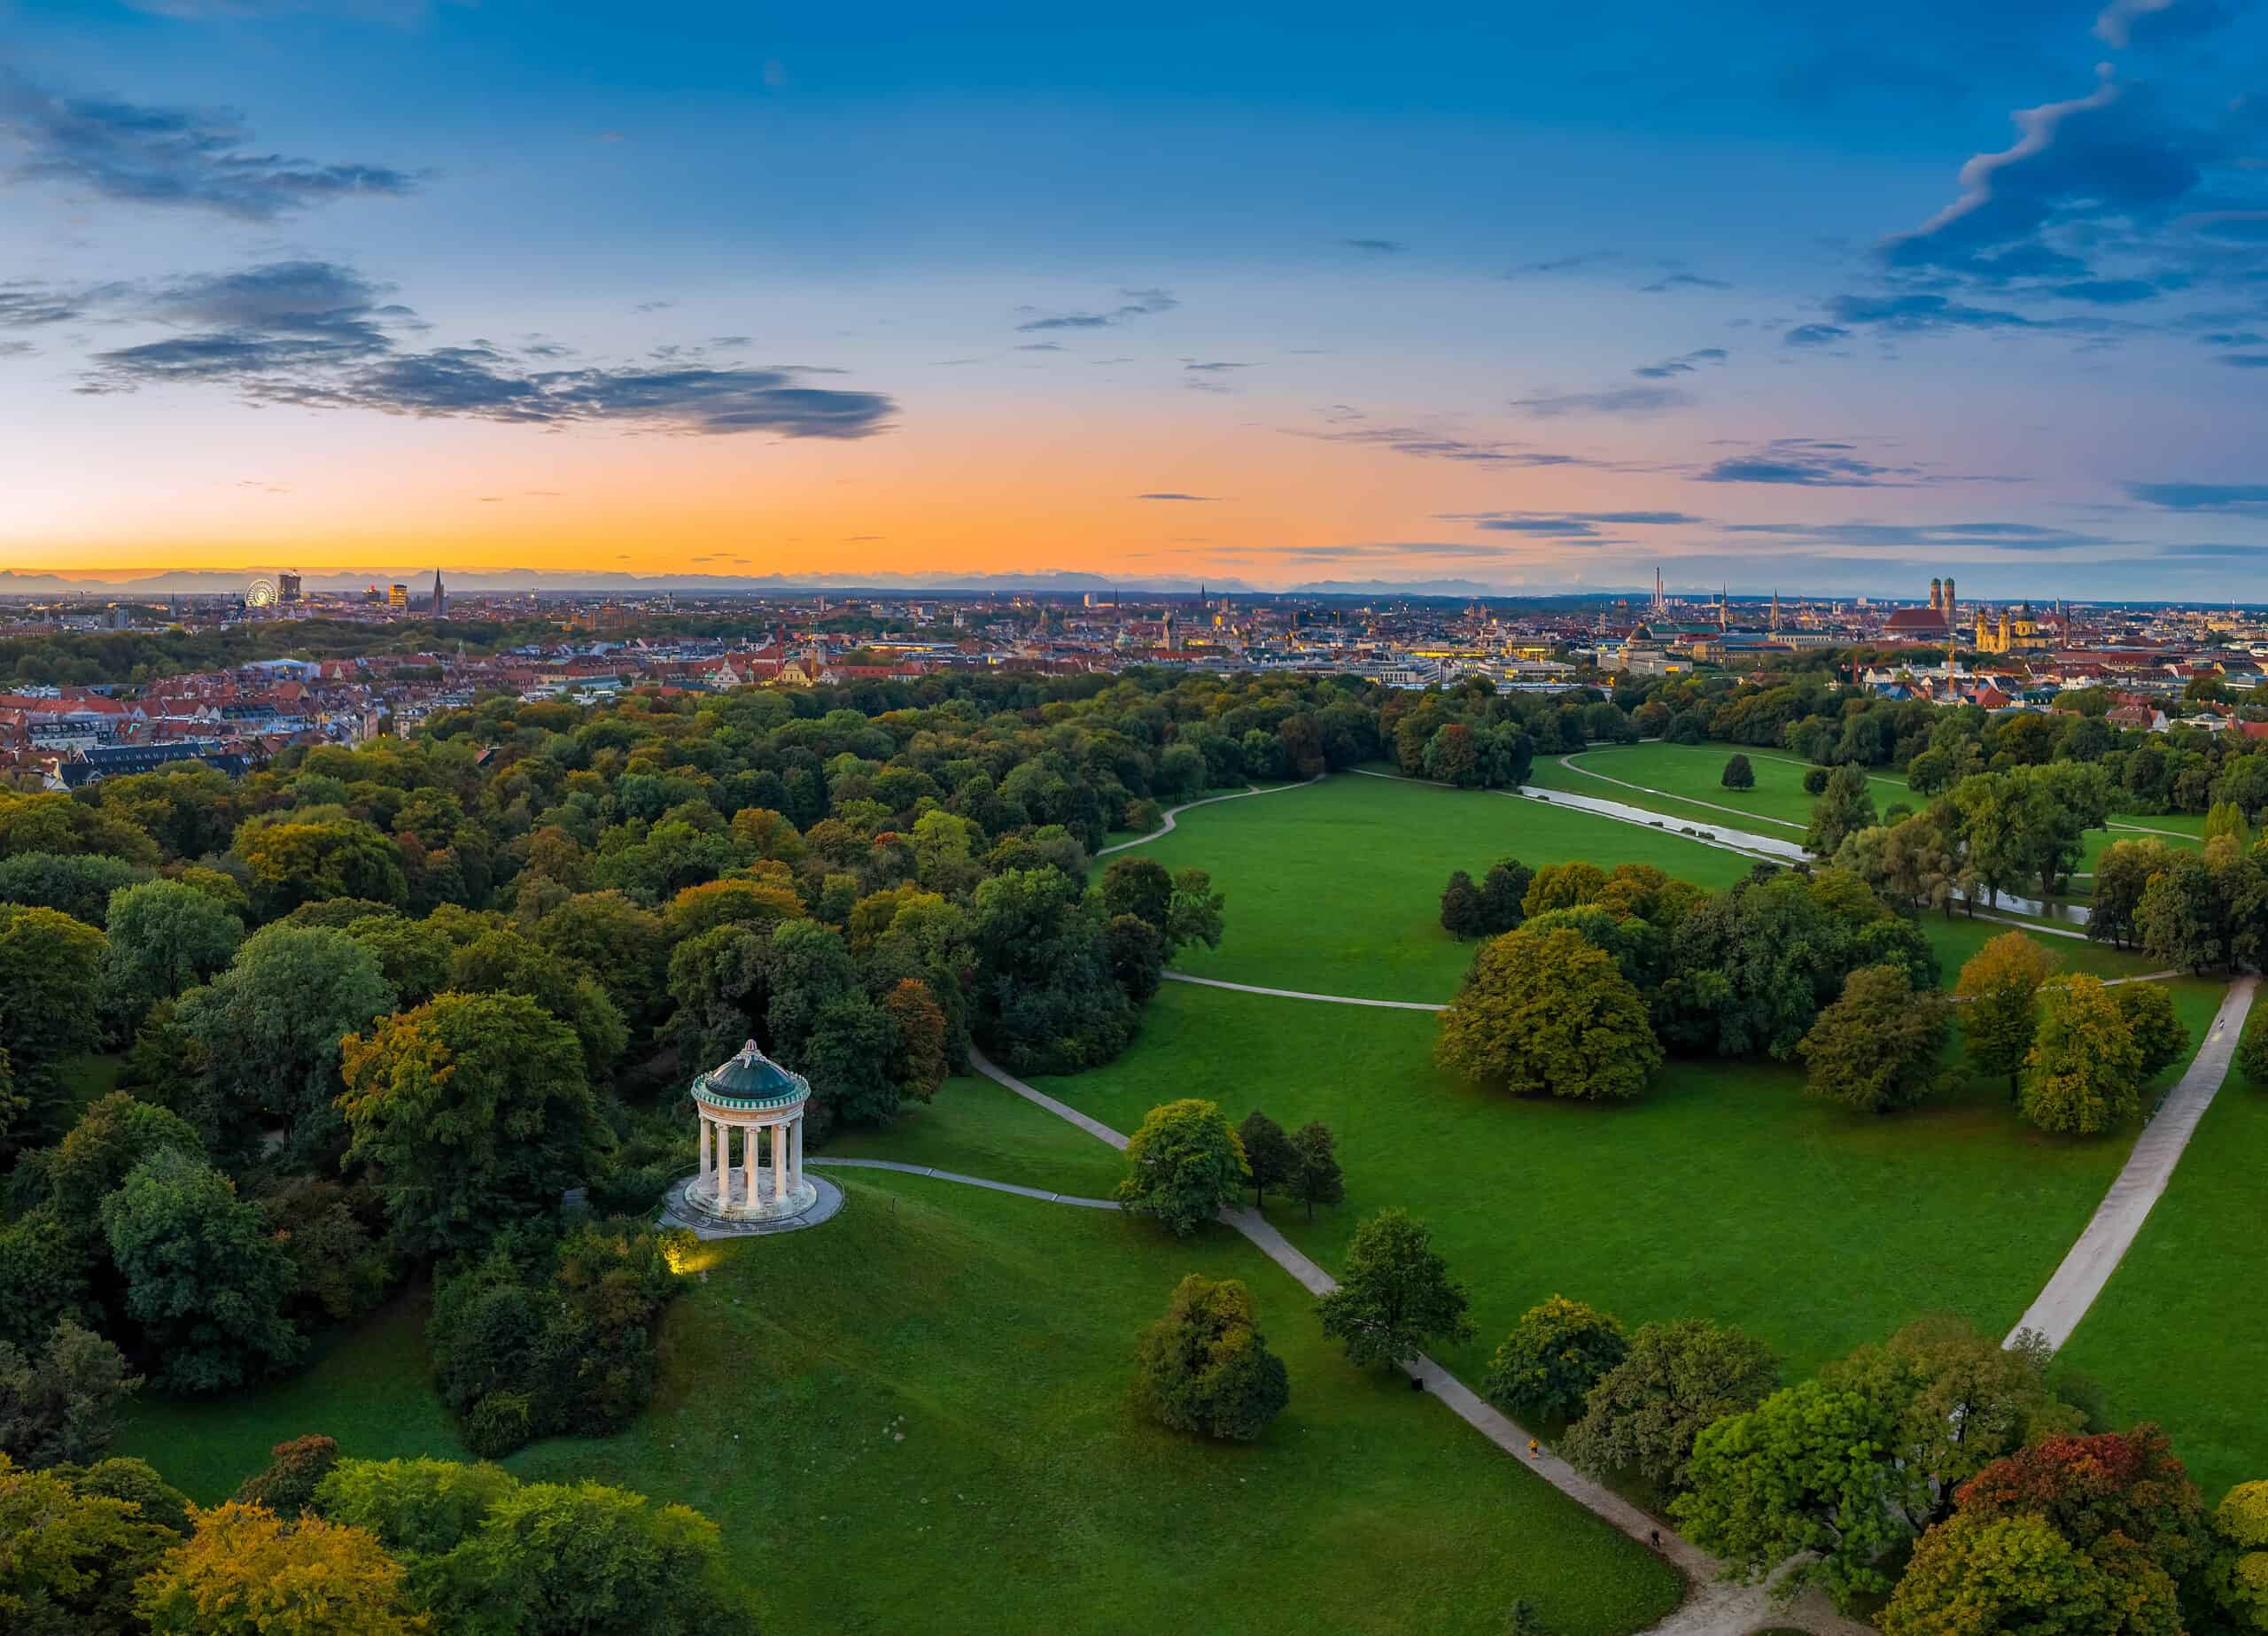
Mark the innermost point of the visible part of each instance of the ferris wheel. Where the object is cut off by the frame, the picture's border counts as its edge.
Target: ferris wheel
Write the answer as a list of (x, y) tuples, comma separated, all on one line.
[(261, 594)]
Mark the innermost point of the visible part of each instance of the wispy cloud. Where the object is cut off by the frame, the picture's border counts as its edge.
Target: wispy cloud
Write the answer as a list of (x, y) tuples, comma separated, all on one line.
[(1681, 281), (1168, 495), (1566, 524), (195, 158), (1136, 304), (1804, 462), (2240, 499), (1908, 536), (1438, 445), (1684, 363), (1376, 246), (1628, 400)]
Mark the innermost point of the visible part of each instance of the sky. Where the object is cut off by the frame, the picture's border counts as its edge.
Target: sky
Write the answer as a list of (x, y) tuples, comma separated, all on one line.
[(1824, 299)]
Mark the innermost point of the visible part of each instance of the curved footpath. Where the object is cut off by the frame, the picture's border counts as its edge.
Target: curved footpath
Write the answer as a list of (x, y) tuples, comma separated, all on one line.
[(1710, 1607), (2108, 1236), (1172, 812)]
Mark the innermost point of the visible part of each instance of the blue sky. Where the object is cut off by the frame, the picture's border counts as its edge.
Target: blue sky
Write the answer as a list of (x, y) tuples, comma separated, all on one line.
[(1526, 296)]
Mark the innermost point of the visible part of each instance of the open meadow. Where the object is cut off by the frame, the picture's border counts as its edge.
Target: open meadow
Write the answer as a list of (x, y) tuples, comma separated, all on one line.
[(917, 1417)]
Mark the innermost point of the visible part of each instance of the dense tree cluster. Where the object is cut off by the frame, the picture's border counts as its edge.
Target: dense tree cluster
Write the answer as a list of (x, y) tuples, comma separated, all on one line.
[(1608, 968)]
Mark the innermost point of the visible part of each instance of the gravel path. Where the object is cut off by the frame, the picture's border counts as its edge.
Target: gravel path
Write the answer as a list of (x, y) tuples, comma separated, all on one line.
[(2075, 1283), (954, 1176), (1167, 827), (1301, 994), (1711, 1608)]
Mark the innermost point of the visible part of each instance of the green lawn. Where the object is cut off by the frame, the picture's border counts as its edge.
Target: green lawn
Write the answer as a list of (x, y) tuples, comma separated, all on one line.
[(977, 1129), (1723, 1192), (1682, 781), (915, 1418), (1336, 887), (2179, 1335)]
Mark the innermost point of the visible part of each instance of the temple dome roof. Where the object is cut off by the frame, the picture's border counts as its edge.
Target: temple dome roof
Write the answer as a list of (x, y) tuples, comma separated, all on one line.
[(749, 1079)]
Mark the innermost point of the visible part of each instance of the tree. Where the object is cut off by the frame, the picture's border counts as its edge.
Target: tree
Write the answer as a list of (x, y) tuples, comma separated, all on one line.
[(1268, 1153), (1959, 1400), (246, 1572), (2083, 1072), (1879, 1046), (920, 1059), (286, 1485), (1544, 1013), (76, 884), (204, 1284), (2123, 872), (490, 1553), (70, 1555), (1315, 1179), (1805, 1474), (1845, 807), (270, 1026), (413, 956), (165, 937), (2121, 1498), (1644, 1413), (476, 1109), (1461, 913), (502, 962), (2252, 1049), (49, 976), (1183, 1165), (1999, 989), (1975, 1574), (2241, 1521), (2159, 1034), (292, 863), (1738, 774), (1562, 885), (111, 1136), (59, 1407), (1395, 1293), (1502, 890), (2185, 914), (1553, 1357), (1205, 1368)]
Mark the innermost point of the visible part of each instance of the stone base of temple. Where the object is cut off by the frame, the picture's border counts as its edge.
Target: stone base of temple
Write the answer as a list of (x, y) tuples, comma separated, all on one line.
[(689, 1204)]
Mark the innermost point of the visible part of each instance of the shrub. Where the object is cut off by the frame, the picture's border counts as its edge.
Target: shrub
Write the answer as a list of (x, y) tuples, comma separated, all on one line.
[(1815, 781), (500, 1423), (1738, 773), (287, 1486)]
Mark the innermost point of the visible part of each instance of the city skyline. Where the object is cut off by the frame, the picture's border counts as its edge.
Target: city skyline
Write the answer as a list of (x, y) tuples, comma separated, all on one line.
[(1287, 300)]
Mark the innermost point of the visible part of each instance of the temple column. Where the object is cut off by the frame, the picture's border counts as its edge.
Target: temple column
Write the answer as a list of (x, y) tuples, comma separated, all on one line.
[(721, 1178), (795, 1153), (700, 1132), (747, 1156), (780, 1162)]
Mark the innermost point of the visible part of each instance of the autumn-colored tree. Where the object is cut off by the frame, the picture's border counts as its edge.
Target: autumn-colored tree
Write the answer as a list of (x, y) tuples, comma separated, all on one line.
[(69, 1555), (2159, 1034), (1205, 1368), (1545, 1012), (2083, 1072), (2241, 1521), (1878, 1047), (1974, 1575), (1553, 1357), (1562, 885), (1999, 989), (246, 1572), (919, 1064)]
